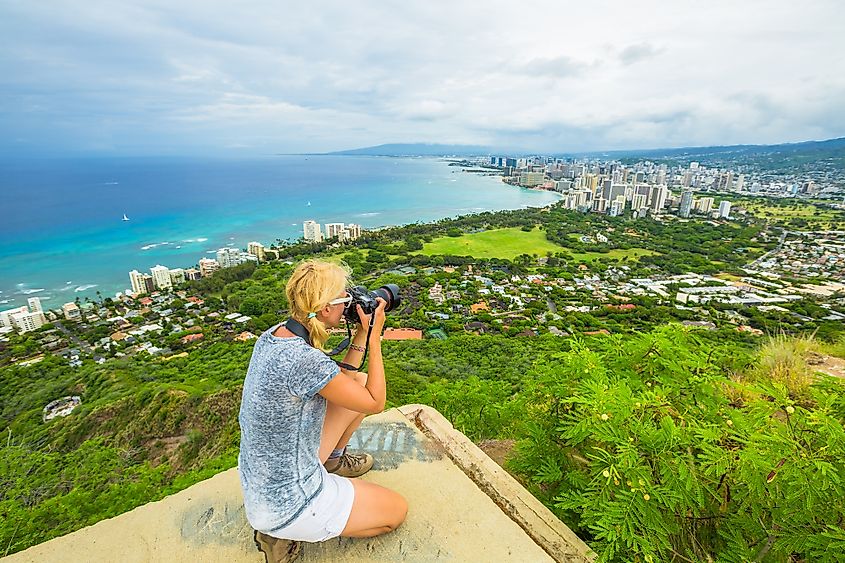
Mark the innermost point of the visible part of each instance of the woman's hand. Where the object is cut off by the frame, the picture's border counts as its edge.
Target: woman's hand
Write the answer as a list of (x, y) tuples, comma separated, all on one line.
[(378, 318)]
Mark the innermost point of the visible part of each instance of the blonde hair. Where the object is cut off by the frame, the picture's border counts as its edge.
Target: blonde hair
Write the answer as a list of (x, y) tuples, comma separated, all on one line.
[(310, 288)]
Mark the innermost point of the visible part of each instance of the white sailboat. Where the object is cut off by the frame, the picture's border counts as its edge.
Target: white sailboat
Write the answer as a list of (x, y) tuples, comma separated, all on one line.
[(125, 218)]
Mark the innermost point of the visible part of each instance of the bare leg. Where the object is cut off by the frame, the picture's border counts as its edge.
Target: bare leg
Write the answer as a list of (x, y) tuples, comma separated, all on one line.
[(375, 511), (339, 424)]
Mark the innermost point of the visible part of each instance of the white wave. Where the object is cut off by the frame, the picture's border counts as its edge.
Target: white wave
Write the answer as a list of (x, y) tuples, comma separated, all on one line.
[(148, 246), (165, 242), (110, 183), (31, 291), (66, 288), (178, 246), (211, 252), (371, 214), (198, 239), (45, 297), (85, 287), (4, 301)]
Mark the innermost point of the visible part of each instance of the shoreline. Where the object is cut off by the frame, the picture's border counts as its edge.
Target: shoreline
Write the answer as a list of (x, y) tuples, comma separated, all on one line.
[(54, 293)]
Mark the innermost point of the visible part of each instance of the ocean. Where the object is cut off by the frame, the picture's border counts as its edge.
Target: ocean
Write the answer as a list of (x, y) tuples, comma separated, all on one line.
[(63, 235)]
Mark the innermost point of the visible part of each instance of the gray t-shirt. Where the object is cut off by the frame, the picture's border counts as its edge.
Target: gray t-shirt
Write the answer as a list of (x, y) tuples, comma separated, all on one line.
[(281, 422)]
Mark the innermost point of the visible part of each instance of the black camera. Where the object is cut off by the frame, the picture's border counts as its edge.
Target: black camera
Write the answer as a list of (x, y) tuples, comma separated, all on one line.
[(367, 300)]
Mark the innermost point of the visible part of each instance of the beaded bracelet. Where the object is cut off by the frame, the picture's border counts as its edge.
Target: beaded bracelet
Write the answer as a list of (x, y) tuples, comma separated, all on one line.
[(356, 347)]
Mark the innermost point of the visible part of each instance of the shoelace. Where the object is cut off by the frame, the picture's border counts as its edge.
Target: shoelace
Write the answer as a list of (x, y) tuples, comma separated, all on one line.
[(353, 461)]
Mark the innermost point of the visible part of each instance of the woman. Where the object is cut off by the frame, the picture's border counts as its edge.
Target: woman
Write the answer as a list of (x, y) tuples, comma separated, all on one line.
[(298, 412)]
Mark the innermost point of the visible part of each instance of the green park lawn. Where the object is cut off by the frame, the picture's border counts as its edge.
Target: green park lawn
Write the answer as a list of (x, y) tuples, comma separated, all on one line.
[(817, 217), (511, 242), (497, 243)]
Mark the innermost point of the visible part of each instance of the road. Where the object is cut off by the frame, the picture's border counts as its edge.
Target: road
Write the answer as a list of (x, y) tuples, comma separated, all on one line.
[(72, 337)]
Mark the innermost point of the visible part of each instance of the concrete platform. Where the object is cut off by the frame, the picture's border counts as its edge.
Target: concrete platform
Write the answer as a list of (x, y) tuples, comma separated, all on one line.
[(463, 507)]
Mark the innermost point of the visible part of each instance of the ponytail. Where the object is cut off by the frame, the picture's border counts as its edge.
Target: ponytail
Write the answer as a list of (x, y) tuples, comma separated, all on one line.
[(311, 286)]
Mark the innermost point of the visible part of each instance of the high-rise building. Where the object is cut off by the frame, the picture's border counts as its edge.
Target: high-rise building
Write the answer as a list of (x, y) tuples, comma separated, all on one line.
[(657, 198), (257, 250), (725, 210), (312, 232), (599, 205), (740, 183), (531, 179), (639, 201), (192, 274), (136, 279), (6, 316), (177, 276), (28, 321), (352, 231), (228, 257), (613, 191), (208, 266), (563, 186), (686, 203), (35, 305), (616, 208), (704, 205), (334, 230), (161, 277)]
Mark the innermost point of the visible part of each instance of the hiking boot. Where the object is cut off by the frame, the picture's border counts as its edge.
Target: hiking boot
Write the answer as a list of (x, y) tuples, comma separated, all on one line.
[(276, 550), (349, 465)]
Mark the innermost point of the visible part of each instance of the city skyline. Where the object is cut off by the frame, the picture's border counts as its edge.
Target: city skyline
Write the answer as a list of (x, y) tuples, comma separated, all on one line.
[(145, 78)]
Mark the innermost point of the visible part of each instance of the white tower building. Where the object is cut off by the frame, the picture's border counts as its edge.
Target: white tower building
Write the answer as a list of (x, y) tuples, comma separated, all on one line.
[(136, 278), (161, 277), (312, 232)]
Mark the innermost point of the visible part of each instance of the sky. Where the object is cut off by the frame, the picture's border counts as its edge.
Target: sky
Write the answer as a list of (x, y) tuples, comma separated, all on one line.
[(253, 78)]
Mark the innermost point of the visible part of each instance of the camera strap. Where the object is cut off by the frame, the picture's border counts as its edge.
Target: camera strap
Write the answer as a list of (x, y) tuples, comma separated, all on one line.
[(299, 329)]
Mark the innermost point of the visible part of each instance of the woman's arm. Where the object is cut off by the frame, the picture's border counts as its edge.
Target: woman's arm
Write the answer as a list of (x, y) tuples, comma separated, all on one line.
[(344, 391), (354, 354)]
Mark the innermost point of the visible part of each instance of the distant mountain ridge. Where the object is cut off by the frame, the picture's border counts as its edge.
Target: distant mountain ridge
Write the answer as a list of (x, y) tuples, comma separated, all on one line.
[(417, 149), (803, 146), (434, 149)]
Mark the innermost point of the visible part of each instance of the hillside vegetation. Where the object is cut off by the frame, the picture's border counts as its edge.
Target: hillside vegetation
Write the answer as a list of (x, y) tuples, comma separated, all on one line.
[(658, 442)]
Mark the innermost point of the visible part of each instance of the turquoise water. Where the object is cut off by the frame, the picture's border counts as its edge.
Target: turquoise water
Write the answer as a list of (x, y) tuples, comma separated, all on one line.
[(63, 235)]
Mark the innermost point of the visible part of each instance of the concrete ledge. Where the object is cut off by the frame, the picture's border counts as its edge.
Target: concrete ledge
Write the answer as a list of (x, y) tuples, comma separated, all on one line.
[(555, 537), (463, 507)]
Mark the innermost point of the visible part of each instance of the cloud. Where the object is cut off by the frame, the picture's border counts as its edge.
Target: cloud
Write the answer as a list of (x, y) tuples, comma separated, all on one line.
[(557, 67), (149, 76), (636, 53)]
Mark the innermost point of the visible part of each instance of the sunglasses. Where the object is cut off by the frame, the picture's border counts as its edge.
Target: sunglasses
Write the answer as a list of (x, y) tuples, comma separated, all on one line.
[(345, 300)]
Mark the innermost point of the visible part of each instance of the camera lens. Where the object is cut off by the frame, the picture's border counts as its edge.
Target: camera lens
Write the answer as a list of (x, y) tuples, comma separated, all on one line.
[(390, 293)]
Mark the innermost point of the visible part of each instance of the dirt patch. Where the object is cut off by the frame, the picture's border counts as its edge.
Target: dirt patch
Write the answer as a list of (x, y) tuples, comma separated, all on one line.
[(497, 450), (831, 365), (162, 449)]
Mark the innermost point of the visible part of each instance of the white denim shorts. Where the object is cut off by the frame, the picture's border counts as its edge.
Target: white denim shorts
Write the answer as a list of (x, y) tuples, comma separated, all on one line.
[(327, 514)]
